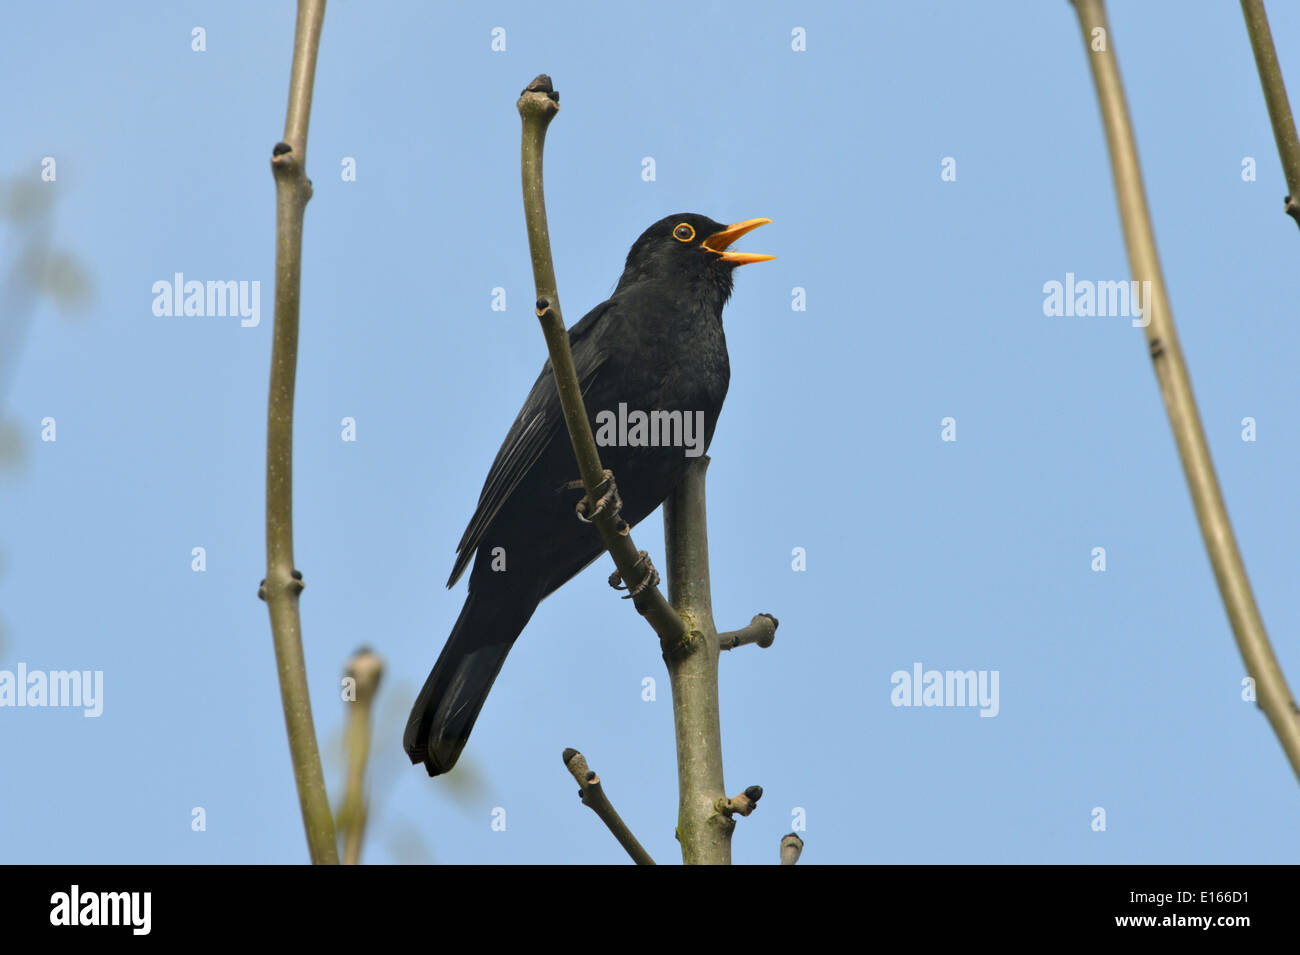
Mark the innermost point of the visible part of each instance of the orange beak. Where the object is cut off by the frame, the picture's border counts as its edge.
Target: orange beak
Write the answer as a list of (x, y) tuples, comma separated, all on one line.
[(719, 241)]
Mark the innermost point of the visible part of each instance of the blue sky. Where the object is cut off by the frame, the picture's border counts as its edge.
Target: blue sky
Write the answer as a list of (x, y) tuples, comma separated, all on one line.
[(1119, 689)]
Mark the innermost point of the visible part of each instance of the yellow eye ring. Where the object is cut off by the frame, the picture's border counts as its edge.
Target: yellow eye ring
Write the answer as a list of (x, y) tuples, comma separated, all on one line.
[(684, 232)]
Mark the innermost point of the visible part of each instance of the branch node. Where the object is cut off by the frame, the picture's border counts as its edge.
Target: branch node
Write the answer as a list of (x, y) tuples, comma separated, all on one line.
[(283, 159), (743, 804), (791, 848), (761, 630), (367, 668), (542, 84), (682, 646), (541, 98)]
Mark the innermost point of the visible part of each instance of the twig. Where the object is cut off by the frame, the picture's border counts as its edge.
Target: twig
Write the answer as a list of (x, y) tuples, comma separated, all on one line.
[(760, 630), (1279, 109), (742, 805), (1171, 371), (365, 669), (594, 798), (538, 105), (791, 849), (283, 583)]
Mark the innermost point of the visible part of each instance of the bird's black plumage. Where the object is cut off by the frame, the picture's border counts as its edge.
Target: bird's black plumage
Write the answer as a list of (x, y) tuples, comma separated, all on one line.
[(655, 345)]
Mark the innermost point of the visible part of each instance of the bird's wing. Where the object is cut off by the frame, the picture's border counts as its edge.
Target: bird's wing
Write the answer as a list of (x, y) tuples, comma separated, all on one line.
[(539, 422)]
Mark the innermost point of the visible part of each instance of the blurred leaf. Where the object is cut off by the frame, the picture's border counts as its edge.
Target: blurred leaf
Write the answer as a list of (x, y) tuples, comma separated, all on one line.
[(405, 843), (465, 783), (26, 200), (61, 277), (13, 451)]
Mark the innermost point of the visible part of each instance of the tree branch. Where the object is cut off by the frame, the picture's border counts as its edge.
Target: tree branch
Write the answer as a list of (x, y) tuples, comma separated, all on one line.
[(1279, 108), (1171, 370), (365, 669), (760, 630), (538, 105), (594, 798), (703, 830), (283, 583)]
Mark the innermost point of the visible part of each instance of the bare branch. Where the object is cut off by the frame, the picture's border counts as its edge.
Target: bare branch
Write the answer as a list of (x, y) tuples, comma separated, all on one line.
[(761, 630), (365, 669), (594, 798), (743, 804), (538, 105), (703, 830), (283, 584), (1279, 107), (1171, 370)]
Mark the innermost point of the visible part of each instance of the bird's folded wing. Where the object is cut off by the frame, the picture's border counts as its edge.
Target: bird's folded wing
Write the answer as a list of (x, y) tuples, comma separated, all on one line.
[(540, 422)]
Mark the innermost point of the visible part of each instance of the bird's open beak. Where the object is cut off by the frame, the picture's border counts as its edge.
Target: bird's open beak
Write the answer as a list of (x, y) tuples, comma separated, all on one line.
[(719, 241)]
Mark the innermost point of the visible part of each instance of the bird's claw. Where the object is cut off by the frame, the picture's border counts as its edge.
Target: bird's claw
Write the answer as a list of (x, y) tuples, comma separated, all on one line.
[(608, 501), (651, 578)]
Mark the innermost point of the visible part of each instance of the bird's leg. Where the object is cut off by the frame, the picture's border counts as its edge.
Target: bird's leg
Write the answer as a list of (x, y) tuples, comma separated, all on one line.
[(608, 501), (651, 578), (611, 502)]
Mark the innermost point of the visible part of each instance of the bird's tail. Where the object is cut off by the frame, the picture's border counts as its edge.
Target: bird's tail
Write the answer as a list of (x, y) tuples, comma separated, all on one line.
[(445, 711)]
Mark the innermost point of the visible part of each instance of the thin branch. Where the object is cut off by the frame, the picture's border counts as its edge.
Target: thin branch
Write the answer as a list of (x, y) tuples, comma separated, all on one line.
[(283, 583), (1279, 108), (742, 805), (538, 105), (1162, 339), (594, 798), (760, 630), (365, 669), (791, 849)]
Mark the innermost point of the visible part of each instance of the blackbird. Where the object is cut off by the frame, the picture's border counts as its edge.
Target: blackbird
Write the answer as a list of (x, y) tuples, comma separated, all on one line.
[(652, 364)]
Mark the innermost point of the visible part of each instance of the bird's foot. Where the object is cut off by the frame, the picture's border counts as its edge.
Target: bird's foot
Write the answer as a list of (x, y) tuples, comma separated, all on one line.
[(651, 578), (608, 501)]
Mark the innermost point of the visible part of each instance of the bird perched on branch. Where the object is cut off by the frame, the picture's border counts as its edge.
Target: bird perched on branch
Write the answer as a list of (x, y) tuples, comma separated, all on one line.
[(652, 365)]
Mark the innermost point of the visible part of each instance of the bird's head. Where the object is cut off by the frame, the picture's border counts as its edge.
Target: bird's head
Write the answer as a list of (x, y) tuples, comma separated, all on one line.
[(690, 246)]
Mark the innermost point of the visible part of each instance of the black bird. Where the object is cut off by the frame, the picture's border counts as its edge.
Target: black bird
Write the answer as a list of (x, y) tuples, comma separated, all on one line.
[(656, 345)]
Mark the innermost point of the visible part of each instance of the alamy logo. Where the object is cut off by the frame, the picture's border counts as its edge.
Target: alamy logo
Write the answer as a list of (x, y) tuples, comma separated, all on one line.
[(71, 688), (195, 299), (103, 908), (654, 429), (1088, 299), (946, 688)]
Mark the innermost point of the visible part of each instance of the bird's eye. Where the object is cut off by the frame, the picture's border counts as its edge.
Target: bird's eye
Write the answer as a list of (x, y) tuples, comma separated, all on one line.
[(684, 232)]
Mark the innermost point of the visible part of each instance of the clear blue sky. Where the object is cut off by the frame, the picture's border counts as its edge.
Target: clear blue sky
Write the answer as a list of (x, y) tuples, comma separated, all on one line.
[(1119, 690)]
